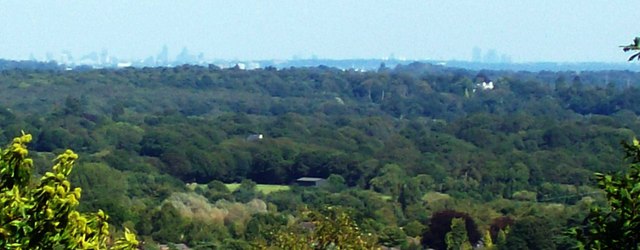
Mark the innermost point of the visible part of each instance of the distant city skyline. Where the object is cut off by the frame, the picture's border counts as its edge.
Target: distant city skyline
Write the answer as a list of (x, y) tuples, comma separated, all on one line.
[(186, 56), (501, 31)]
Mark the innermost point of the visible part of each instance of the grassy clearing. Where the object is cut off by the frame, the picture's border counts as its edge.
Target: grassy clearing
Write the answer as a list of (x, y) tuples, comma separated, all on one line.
[(431, 197), (385, 197), (264, 188)]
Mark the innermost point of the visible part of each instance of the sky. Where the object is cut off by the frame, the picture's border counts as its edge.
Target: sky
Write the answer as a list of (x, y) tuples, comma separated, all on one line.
[(525, 30)]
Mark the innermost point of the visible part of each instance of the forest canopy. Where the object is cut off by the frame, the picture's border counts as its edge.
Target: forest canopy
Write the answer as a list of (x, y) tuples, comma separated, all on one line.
[(161, 147)]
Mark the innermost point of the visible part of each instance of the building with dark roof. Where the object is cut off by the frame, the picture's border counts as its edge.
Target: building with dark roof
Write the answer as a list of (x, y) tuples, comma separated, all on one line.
[(310, 182)]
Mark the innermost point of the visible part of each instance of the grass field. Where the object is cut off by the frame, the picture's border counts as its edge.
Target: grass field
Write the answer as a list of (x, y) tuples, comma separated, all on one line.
[(264, 188)]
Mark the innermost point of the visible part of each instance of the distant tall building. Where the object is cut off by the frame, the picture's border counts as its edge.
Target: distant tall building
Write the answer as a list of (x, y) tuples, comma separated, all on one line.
[(163, 56), (104, 57), (184, 56), (476, 54)]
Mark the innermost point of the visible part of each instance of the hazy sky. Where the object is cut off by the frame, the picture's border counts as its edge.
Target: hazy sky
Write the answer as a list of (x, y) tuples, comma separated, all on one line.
[(526, 30)]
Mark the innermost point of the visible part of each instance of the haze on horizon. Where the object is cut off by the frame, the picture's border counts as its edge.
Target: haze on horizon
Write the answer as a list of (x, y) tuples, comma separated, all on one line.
[(526, 31)]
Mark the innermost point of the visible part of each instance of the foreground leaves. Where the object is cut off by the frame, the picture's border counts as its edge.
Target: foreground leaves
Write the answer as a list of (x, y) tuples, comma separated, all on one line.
[(43, 215), (329, 229), (617, 226), (634, 46)]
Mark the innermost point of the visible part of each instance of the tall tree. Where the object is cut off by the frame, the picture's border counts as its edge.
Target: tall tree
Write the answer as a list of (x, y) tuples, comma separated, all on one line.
[(457, 238)]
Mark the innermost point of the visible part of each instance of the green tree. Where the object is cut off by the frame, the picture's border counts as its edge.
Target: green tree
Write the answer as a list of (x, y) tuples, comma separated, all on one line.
[(411, 192), (330, 229), (634, 46), (168, 224), (261, 226), (43, 215), (335, 183), (501, 238), (530, 233), (457, 238), (413, 229), (389, 181), (103, 188), (440, 225), (617, 226), (246, 191), (487, 241), (392, 236), (233, 244), (215, 190)]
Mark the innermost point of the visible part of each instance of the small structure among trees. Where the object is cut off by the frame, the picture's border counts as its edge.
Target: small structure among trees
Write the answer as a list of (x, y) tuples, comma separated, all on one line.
[(310, 182), (255, 137)]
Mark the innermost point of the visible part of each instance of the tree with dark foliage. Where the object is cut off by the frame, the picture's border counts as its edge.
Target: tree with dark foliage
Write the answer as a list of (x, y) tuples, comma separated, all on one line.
[(500, 224), (440, 225)]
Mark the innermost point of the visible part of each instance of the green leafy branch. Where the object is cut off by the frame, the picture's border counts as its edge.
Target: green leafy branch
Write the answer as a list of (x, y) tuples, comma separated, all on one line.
[(634, 46)]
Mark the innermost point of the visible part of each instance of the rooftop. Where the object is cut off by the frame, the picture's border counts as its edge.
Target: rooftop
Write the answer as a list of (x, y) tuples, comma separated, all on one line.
[(309, 179)]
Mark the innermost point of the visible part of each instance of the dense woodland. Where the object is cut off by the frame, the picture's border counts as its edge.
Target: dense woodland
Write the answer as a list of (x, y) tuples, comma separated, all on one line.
[(406, 150)]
